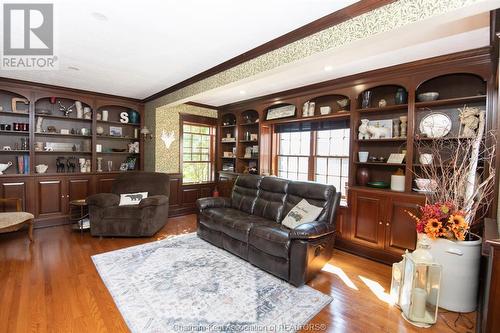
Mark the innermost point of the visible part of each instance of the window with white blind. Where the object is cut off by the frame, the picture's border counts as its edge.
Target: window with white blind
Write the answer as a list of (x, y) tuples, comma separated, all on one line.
[(293, 155), (332, 158)]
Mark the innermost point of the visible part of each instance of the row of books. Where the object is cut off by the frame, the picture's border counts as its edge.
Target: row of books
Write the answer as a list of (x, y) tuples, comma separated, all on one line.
[(23, 164)]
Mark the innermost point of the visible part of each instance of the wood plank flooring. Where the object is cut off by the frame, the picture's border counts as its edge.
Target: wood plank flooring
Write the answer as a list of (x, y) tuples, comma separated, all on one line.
[(52, 286)]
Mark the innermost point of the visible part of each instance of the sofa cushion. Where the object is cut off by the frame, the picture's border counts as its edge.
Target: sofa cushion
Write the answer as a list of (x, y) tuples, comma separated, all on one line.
[(270, 238), (239, 228), (316, 194), (245, 193), (122, 212), (216, 216), (271, 198)]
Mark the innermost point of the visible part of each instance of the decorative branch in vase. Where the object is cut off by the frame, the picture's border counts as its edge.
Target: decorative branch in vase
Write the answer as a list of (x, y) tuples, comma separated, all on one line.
[(459, 174)]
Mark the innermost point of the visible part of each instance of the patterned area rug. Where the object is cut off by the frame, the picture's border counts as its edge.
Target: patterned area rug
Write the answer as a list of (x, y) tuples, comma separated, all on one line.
[(184, 284)]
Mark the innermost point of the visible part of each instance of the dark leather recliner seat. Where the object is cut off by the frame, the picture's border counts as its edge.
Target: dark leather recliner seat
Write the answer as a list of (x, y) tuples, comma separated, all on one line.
[(249, 225)]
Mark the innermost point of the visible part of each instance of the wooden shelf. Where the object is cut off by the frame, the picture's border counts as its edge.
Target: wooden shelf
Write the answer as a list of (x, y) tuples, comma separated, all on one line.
[(108, 137), (381, 164), (14, 114), (64, 152), (14, 133), (228, 158), (249, 141), (50, 116), (248, 158), (249, 124), (386, 108), (228, 126), (116, 153), (381, 140), (452, 101), (13, 151), (118, 123), (444, 138), (228, 142), (64, 135)]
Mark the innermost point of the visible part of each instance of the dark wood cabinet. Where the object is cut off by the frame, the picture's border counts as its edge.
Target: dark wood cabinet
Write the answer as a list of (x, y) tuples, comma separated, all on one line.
[(400, 228), (50, 197), (104, 183), (380, 226), (16, 188), (342, 223), (78, 188), (368, 214)]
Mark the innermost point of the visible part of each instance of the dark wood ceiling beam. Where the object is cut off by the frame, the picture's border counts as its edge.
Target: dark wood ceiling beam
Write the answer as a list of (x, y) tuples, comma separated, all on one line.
[(323, 23)]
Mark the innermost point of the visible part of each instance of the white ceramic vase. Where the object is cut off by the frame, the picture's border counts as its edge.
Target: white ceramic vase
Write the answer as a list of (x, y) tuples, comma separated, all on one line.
[(460, 274)]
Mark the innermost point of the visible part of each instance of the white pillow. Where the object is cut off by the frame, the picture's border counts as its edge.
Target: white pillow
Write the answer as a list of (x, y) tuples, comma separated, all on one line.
[(132, 198), (302, 213)]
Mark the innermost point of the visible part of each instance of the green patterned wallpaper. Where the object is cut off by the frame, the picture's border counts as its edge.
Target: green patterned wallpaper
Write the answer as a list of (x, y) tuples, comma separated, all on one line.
[(158, 157)]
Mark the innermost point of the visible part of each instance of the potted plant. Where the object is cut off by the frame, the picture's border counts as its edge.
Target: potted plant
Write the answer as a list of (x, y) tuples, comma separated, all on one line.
[(461, 175)]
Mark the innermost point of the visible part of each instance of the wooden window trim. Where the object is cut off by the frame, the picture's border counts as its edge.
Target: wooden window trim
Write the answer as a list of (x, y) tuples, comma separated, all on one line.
[(185, 118)]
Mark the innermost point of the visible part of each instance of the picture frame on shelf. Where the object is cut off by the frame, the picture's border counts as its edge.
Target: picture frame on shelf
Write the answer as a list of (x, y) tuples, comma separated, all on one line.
[(115, 131), (395, 158), (383, 123), (281, 112), (254, 137), (123, 167)]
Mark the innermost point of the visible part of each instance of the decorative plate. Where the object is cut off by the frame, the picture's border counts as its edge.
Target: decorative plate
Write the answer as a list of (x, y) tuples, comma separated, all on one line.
[(435, 125)]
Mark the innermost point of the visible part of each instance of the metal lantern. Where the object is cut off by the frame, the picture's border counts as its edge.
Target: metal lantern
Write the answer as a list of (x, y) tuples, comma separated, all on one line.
[(415, 287)]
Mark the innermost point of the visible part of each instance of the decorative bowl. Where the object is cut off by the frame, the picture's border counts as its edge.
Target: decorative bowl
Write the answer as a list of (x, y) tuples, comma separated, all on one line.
[(428, 96), (343, 102), (4, 166), (425, 184), (41, 168), (378, 184)]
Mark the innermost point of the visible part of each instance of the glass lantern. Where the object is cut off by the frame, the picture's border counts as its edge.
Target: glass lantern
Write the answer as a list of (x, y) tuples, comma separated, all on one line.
[(415, 288)]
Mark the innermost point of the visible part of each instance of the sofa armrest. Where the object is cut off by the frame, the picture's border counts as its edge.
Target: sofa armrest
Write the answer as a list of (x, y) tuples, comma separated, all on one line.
[(154, 200), (312, 230), (213, 202), (103, 200)]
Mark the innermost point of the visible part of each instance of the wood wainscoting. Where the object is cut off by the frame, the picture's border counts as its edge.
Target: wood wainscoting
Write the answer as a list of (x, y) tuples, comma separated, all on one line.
[(183, 197)]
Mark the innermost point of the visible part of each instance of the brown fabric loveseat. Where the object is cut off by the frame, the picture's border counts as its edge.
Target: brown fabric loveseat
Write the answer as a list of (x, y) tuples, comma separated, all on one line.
[(249, 225), (142, 220)]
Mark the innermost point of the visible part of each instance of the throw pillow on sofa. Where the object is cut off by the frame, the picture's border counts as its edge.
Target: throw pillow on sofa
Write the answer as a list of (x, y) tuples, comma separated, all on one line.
[(302, 213), (132, 198)]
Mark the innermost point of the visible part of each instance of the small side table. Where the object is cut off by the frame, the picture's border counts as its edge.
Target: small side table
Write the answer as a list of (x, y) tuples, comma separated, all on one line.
[(78, 214)]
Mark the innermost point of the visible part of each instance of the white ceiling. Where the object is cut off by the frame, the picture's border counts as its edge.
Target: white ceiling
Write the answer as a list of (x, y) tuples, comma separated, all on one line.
[(142, 47), (463, 30)]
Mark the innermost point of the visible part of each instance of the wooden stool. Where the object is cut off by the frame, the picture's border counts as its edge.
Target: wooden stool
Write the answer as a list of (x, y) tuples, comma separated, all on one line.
[(13, 221), (78, 210)]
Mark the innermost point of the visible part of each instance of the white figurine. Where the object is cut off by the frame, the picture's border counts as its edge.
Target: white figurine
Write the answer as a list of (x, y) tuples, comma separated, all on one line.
[(377, 132), (363, 130)]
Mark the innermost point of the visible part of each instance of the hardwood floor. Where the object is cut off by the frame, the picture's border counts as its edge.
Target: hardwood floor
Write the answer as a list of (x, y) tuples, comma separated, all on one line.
[(52, 286)]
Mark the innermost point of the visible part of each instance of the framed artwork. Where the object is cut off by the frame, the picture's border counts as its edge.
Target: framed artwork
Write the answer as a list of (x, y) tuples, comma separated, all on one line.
[(385, 123), (115, 131), (281, 112), (396, 158)]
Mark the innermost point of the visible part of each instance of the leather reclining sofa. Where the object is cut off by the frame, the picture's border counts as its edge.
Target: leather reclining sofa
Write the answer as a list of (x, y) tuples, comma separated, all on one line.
[(249, 225)]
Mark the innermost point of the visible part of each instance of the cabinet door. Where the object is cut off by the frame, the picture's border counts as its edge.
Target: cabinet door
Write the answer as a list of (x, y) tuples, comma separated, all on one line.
[(50, 197), (341, 223), (104, 183), (400, 228), (367, 216), (16, 188), (79, 188)]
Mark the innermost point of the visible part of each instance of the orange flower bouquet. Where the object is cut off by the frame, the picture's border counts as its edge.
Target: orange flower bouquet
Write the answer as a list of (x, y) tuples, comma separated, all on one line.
[(441, 220)]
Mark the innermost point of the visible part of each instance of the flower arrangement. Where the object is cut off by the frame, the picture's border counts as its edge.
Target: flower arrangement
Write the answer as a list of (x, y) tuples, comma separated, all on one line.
[(441, 220)]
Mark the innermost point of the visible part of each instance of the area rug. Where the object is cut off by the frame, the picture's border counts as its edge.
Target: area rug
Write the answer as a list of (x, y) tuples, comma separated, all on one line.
[(184, 284)]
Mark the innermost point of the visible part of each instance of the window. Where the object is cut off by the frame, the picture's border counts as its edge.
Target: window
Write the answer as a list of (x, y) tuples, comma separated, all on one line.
[(314, 153), (332, 158), (197, 149), (293, 155)]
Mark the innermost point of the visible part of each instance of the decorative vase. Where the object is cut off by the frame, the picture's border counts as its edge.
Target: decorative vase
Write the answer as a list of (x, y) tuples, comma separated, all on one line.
[(104, 115), (133, 117), (362, 176), (79, 109), (401, 96), (460, 274), (99, 164), (367, 99)]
